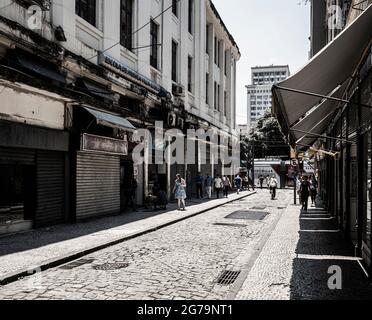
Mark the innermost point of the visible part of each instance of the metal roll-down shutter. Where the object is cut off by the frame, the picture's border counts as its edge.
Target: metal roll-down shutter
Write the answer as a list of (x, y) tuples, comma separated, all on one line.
[(50, 207), (97, 185)]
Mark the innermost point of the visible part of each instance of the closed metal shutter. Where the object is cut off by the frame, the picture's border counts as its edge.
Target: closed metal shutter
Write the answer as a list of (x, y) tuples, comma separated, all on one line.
[(16, 155), (50, 207), (97, 185)]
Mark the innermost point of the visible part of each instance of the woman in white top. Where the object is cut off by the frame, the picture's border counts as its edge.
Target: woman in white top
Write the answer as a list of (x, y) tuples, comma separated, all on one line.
[(218, 185)]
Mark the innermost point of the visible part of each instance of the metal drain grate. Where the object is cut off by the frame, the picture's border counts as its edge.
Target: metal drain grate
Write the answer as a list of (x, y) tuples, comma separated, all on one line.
[(247, 215), (229, 225), (228, 277), (111, 266), (77, 263)]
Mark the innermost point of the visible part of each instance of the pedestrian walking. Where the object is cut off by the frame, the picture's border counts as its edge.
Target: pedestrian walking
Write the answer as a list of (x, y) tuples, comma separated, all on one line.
[(261, 179), (226, 186), (208, 183), (298, 186), (180, 192), (313, 190), (218, 185), (199, 185), (268, 182), (238, 183), (273, 186), (305, 193), (246, 182)]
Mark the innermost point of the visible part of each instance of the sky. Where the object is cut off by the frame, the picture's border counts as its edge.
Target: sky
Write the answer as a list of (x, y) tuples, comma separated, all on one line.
[(267, 32)]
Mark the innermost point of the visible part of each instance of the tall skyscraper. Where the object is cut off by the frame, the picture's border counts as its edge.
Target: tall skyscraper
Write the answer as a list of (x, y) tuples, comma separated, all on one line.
[(259, 92)]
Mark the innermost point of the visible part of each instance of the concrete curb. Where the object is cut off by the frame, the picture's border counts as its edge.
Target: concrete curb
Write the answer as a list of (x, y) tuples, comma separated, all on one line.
[(55, 262)]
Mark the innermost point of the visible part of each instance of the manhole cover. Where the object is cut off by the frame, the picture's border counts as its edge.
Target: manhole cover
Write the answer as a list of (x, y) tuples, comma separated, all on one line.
[(230, 225), (111, 266), (248, 215), (77, 263), (228, 277)]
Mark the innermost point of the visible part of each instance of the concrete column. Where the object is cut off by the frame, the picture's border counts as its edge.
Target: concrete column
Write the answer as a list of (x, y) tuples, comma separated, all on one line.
[(111, 27)]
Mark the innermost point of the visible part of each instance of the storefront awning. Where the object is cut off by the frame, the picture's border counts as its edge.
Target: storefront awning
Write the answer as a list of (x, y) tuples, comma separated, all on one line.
[(330, 68), (40, 68), (321, 114), (110, 120)]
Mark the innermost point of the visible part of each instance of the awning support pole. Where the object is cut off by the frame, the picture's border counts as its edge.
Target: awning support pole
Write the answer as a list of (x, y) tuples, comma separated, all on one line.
[(320, 96), (322, 136)]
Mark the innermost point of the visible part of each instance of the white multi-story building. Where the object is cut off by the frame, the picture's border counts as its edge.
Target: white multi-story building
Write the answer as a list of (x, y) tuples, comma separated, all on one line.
[(259, 92), (76, 67)]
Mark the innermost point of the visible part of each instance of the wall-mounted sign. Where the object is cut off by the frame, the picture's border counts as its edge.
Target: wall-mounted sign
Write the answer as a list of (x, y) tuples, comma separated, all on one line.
[(104, 145), (128, 73)]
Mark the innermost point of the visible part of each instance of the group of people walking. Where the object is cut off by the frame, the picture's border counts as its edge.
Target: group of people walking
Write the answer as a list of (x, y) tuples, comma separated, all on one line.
[(221, 184), (307, 187)]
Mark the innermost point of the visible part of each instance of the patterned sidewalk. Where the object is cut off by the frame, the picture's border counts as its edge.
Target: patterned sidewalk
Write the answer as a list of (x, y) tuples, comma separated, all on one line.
[(295, 261)]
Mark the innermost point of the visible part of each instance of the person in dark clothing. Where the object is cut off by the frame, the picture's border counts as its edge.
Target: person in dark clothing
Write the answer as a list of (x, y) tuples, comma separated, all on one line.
[(262, 179), (131, 194), (161, 197), (313, 189), (305, 192), (199, 185)]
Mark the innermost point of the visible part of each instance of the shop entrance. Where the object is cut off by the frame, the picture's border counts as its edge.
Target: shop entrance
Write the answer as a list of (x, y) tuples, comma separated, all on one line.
[(17, 197)]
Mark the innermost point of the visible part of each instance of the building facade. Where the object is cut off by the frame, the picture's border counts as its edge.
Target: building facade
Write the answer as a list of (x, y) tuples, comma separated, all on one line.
[(259, 98), (77, 78), (326, 108)]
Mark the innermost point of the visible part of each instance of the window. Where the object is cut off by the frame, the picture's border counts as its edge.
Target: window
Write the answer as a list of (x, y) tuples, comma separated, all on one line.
[(226, 59), (126, 20), (207, 88), (218, 98), (191, 16), (207, 39), (154, 44), (189, 74), (87, 10), (215, 95), (174, 60), (225, 103), (175, 7), (215, 50)]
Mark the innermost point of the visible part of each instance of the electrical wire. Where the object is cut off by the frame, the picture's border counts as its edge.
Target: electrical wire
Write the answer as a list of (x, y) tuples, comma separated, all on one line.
[(136, 31)]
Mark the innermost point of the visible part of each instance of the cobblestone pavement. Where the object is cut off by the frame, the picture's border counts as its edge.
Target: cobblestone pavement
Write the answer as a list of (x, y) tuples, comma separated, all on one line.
[(22, 252), (295, 261), (182, 261)]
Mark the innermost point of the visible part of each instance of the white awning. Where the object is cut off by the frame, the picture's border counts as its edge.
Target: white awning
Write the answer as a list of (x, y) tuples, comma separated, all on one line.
[(330, 68), (111, 120), (323, 111)]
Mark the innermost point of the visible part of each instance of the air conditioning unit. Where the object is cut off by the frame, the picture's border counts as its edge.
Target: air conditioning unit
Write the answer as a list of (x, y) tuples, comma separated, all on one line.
[(178, 90), (171, 119)]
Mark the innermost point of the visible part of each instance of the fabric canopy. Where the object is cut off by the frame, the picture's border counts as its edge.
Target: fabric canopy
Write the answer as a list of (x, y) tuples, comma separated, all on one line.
[(110, 120), (324, 110), (330, 68)]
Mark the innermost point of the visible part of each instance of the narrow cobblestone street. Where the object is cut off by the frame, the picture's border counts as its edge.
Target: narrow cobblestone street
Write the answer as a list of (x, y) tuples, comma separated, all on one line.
[(185, 260)]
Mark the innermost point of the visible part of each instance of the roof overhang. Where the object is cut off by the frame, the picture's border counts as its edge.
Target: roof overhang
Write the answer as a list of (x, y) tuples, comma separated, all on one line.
[(110, 120), (326, 75)]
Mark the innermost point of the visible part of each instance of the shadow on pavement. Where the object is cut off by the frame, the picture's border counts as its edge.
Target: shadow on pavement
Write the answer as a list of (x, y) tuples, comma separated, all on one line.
[(45, 236), (321, 245)]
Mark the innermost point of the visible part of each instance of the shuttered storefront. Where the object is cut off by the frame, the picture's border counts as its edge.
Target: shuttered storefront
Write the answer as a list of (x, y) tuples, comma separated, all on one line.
[(97, 185), (16, 155), (50, 207)]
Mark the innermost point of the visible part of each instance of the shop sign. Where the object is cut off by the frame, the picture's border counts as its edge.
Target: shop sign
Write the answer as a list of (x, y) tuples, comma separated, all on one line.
[(104, 145)]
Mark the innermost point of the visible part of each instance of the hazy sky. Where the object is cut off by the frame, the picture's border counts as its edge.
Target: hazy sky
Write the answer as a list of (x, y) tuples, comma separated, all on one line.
[(267, 32)]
